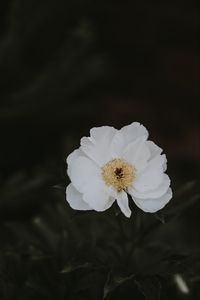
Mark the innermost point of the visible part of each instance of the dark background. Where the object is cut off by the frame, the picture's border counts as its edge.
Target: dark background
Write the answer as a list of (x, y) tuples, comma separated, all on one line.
[(66, 66)]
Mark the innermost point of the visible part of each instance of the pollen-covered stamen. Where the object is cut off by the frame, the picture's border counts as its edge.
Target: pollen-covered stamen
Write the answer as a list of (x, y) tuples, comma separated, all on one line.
[(119, 174)]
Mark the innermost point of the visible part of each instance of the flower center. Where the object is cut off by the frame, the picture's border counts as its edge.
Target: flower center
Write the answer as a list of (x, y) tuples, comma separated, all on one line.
[(119, 174)]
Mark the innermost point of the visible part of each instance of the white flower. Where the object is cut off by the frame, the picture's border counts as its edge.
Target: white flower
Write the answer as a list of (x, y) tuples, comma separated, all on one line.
[(112, 163)]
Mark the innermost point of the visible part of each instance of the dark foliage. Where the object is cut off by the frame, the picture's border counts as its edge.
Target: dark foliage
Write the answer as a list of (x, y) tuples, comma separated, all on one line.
[(66, 66)]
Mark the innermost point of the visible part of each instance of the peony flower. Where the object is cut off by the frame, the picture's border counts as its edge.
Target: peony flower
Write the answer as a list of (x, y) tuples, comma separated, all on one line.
[(112, 163)]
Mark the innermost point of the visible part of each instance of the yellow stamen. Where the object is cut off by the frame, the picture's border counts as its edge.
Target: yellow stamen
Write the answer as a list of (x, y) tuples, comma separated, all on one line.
[(119, 174)]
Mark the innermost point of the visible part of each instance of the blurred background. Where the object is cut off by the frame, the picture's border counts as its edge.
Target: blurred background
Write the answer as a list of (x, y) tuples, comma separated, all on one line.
[(67, 66)]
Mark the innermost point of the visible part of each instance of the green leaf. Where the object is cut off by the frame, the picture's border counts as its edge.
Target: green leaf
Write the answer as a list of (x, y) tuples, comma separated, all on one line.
[(149, 287), (114, 281), (73, 267)]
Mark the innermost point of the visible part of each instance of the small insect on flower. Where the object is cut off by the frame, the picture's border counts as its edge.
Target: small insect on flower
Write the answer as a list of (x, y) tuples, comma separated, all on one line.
[(112, 163)]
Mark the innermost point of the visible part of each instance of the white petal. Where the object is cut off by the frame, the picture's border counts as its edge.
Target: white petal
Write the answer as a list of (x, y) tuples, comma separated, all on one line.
[(134, 131), (122, 201), (125, 136), (97, 146), (157, 162), (98, 133), (110, 202), (158, 192), (117, 145), (75, 154), (137, 153), (71, 158), (75, 199), (153, 205), (98, 197), (154, 149), (152, 176), (84, 173)]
